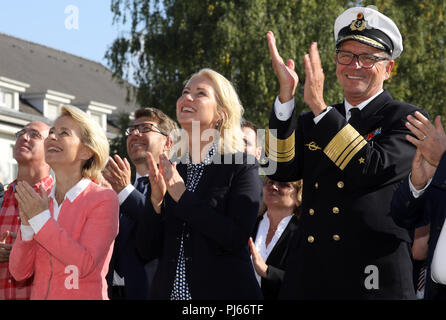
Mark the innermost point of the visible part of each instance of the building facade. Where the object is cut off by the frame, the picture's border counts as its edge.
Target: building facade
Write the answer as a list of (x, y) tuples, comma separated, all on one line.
[(35, 81)]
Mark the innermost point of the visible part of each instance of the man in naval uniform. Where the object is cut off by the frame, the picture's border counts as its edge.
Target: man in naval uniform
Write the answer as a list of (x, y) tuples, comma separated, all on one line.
[(351, 157)]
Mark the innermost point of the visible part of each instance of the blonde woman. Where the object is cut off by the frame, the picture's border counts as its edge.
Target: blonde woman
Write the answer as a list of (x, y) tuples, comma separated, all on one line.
[(66, 237), (203, 209)]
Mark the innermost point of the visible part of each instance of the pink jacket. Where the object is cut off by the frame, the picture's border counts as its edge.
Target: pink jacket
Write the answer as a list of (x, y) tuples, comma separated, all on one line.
[(69, 257)]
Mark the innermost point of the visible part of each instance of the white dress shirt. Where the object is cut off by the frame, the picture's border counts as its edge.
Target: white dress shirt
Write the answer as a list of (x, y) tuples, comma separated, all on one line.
[(262, 232), (283, 111)]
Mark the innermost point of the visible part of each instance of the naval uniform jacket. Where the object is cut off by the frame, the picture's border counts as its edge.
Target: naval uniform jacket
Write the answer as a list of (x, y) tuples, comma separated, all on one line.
[(349, 246), (217, 220), (429, 208)]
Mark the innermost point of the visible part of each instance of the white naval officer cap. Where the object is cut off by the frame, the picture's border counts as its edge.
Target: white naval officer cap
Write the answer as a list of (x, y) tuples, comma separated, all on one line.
[(369, 26)]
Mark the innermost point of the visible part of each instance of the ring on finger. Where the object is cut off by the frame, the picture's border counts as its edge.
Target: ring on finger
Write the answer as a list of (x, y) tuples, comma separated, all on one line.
[(424, 138)]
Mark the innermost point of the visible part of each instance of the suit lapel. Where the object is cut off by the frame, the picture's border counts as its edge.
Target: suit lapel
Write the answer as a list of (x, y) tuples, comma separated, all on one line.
[(370, 114), (281, 248)]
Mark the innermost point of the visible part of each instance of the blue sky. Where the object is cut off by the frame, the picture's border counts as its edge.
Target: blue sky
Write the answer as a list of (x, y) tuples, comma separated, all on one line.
[(53, 23)]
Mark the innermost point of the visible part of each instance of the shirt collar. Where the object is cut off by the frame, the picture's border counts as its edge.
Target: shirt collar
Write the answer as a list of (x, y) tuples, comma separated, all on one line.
[(282, 224), (74, 192), (360, 106)]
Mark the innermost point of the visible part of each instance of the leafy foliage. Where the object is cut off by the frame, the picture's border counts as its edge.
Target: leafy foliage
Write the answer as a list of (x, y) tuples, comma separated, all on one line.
[(171, 39)]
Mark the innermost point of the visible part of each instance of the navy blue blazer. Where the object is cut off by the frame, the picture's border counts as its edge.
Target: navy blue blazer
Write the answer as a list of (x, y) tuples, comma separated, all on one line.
[(430, 207), (125, 259), (217, 220), (277, 259)]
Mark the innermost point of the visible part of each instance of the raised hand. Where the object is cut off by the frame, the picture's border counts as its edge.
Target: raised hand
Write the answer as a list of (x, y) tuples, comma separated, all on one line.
[(118, 173), (30, 202), (157, 185), (421, 172), (314, 81), (430, 140), (174, 183), (259, 264), (285, 73)]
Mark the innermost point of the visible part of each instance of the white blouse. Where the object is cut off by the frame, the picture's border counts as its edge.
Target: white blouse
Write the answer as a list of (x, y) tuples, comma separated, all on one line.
[(262, 232)]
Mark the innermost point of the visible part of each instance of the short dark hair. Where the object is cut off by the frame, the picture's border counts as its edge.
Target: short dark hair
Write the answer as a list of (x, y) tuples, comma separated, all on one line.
[(249, 124), (164, 122)]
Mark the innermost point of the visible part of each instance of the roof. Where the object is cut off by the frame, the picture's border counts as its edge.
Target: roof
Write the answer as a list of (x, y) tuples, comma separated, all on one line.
[(44, 68)]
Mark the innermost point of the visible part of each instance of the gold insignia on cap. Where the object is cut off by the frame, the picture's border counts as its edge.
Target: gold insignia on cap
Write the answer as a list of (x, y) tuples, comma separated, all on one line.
[(358, 24)]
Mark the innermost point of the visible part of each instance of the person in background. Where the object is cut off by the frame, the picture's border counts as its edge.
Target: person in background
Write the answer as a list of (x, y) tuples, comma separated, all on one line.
[(129, 275), (276, 226), (250, 139), (203, 209), (31, 167), (66, 237), (421, 198)]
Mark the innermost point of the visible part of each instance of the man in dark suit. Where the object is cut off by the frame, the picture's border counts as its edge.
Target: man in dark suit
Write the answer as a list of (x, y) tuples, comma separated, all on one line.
[(130, 276), (351, 156), (421, 198)]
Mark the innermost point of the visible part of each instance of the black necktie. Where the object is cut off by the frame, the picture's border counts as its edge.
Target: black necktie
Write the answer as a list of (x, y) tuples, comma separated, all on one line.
[(141, 184), (355, 118)]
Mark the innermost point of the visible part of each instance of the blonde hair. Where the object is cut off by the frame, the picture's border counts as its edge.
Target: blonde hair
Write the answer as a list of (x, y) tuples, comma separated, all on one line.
[(230, 110), (93, 137)]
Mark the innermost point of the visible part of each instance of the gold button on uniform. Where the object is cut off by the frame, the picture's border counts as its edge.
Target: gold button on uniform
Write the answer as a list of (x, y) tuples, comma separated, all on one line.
[(311, 212), (336, 237), (316, 185), (310, 239), (340, 184), (335, 210)]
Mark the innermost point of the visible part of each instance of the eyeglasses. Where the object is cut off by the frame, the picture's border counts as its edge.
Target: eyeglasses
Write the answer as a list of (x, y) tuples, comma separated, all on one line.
[(279, 185), (31, 133), (365, 60), (143, 128)]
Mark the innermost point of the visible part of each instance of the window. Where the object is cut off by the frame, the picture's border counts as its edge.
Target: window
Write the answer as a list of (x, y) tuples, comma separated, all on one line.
[(52, 111), (99, 118), (6, 99)]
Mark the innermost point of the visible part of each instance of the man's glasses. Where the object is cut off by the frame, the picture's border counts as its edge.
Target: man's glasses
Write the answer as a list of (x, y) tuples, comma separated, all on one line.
[(31, 133), (143, 128), (365, 60)]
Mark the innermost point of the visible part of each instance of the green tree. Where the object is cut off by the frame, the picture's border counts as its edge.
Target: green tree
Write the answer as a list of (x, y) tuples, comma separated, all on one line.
[(419, 75), (171, 39)]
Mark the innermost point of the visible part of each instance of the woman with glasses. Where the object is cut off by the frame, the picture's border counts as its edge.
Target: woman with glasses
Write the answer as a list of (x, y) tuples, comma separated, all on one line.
[(203, 208), (276, 226), (66, 238)]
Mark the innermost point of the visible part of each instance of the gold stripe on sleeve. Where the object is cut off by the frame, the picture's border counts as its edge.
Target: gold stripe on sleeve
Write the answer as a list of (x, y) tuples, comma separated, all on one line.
[(358, 147), (340, 142), (284, 148)]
